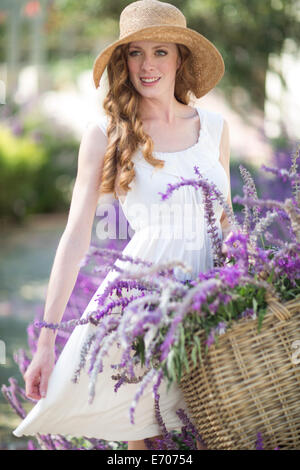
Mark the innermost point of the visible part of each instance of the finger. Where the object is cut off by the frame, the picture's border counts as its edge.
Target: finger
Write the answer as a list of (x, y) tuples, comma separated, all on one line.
[(33, 392), (44, 385), (32, 387), (224, 249)]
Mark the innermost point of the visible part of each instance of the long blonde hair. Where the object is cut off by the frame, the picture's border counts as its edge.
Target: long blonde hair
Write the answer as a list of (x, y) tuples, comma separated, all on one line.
[(125, 128)]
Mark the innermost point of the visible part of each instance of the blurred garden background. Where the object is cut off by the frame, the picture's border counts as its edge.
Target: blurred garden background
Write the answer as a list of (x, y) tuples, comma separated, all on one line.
[(47, 98)]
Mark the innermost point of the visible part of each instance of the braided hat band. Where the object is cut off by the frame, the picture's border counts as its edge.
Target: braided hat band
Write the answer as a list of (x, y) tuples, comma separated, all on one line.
[(160, 21)]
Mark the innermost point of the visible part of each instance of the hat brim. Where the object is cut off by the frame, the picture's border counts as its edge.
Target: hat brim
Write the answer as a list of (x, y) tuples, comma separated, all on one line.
[(207, 63)]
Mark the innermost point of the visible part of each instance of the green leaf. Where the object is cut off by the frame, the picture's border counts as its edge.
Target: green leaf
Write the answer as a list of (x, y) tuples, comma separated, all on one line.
[(261, 315), (178, 364), (171, 364), (186, 362), (270, 278), (198, 343), (254, 303), (193, 355), (140, 349)]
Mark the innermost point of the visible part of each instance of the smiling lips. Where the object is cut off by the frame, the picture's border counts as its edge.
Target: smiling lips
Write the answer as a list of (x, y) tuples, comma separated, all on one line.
[(149, 80)]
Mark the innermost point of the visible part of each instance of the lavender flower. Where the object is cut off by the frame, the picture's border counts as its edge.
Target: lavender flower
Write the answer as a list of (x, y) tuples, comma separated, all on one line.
[(146, 309)]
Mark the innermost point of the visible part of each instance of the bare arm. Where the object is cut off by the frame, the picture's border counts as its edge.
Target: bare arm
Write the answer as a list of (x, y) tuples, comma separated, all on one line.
[(225, 161), (76, 237)]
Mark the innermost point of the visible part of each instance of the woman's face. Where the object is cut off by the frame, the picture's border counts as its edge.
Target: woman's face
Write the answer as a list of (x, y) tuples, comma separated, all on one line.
[(158, 60)]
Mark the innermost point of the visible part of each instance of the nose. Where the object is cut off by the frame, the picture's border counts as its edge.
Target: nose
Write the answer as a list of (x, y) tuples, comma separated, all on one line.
[(147, 64)]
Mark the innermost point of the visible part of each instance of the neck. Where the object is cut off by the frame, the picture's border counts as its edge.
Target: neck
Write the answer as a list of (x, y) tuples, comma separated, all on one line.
[(157, 110)]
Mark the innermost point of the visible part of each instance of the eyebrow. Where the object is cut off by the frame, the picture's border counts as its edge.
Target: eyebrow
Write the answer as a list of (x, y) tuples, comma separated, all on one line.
[(154, 47)]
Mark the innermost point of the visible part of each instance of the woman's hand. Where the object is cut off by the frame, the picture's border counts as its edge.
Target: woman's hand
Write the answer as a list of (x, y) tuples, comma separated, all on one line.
[(226, 236), (38, 372)]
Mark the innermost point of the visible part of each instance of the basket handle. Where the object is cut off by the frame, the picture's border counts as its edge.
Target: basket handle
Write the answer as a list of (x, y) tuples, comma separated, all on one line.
[(277, 307)]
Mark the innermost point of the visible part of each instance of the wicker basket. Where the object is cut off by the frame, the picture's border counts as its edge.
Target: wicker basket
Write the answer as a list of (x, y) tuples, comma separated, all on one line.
[(249, 383)]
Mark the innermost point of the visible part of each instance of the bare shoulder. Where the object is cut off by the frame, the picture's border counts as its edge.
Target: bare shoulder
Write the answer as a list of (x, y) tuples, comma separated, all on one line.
[(86, 188), (93, 139), (92, 149)]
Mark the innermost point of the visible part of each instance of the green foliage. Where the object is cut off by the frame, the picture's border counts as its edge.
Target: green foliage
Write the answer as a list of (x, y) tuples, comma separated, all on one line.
[(246, 33), (242, 298), (37, 171), (20, 161), (19, 153), (286, 289)]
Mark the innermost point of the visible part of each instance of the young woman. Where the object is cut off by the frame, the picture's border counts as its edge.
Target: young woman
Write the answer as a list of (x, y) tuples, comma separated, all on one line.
[(149, 136)]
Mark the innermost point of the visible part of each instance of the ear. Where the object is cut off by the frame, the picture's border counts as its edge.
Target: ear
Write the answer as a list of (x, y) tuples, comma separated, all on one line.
[(178, 62)]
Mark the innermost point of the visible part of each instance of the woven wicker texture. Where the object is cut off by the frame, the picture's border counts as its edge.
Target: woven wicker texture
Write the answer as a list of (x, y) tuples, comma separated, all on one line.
[(249, 383)]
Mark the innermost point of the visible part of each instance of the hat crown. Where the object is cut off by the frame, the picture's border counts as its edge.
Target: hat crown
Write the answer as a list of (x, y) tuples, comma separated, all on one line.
[(147, 13)]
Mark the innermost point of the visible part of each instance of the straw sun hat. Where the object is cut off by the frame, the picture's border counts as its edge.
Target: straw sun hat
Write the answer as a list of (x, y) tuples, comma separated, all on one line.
[(161, 21)]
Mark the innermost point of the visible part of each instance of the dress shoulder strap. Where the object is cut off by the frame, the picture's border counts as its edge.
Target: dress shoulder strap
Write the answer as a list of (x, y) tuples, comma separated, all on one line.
[(214, 123)]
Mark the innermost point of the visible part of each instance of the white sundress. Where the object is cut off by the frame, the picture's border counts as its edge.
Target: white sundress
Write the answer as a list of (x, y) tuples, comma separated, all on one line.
[(65, 409)]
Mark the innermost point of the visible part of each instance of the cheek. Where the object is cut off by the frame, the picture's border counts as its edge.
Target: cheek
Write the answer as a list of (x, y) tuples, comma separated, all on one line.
[(132, 67), (168, 67)]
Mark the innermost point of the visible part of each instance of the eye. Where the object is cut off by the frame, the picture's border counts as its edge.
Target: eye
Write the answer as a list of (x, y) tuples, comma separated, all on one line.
[(159, 50)]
